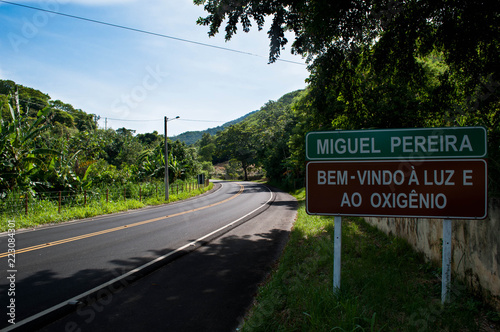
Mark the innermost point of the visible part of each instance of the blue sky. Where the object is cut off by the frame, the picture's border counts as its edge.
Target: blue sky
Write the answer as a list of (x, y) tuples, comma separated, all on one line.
[(126, 75)]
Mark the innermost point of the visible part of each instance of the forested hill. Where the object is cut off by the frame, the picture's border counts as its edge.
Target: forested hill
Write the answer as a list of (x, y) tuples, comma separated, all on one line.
[(191, 137)]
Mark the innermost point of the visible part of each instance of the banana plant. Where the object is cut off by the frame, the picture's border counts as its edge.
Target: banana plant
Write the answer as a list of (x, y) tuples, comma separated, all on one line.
[(152, 163), (20, 158), (61, 173), (176, 168)]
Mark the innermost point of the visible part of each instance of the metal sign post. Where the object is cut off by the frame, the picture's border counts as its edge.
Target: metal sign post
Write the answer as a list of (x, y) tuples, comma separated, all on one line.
[(337, 250), (446, 273)]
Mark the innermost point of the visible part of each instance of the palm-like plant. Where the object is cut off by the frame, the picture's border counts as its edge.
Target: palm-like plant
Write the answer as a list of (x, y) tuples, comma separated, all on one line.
[(152, 164), (176, 169), (20, 158)]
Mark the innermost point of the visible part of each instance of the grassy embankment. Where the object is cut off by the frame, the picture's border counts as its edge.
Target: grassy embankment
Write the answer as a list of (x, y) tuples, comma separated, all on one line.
[(386, 286), (47, 211)]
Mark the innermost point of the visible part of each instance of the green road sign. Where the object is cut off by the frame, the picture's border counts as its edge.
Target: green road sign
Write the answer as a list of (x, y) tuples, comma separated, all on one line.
[(384, 144)]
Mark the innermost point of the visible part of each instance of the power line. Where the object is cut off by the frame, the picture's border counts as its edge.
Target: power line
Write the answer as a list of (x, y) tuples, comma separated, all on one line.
[(145, 31), (192, 120), (132, 120), (30, 102), (156, 120)]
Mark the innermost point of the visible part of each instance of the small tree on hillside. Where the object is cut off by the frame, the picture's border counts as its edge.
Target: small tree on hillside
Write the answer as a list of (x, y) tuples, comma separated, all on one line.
[(236, 143)]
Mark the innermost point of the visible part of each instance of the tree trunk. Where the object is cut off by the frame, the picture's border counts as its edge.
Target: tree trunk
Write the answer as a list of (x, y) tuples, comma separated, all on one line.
[(246, 174)]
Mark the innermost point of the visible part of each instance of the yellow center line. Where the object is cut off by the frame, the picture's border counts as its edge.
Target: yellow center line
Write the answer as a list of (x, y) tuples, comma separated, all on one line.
[(85, 236)]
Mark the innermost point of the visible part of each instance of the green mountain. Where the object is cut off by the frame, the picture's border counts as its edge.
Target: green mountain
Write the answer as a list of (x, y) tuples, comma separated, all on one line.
[(191, 137)]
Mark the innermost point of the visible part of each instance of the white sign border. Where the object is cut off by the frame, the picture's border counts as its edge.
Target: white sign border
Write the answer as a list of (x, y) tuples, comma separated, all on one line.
[(338, 132), (393, 215)]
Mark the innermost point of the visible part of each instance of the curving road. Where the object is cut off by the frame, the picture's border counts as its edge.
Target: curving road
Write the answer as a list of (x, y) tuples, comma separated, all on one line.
[(59, 268)]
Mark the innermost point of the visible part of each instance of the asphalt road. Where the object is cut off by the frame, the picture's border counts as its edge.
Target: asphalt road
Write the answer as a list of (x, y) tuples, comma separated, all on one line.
[(72, 266)]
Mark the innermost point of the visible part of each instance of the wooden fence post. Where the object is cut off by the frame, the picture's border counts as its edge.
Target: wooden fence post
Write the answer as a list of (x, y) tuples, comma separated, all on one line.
[(124, 194), (107, 195), (59, 210), (140, 194), (84, 198), (26, 204)]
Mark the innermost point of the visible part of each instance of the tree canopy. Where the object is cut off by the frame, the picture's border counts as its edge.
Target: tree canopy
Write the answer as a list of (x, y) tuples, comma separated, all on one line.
[(373, 64), (347, 42), (466, 31), (380, 63)]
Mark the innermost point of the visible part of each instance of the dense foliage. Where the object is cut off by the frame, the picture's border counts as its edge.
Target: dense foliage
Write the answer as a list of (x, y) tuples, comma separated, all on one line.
[(191, 137), (373, 64), (47, 145), (380, 64)]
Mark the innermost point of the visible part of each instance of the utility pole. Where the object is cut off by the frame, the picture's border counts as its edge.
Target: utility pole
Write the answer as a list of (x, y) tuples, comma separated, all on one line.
[(166, 157), (166, 161)]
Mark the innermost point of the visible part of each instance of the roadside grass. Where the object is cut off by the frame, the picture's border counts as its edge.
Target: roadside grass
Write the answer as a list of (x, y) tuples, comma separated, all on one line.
[(386, 285), (47, 212)]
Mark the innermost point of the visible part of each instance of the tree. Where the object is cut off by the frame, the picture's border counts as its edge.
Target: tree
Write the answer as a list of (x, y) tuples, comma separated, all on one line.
[(21, 161), (206, 147), (386, 37), (183, 159), (127, 147), (64, 118), (150, 139), (82, 120), (236, 142), (400, 29), (152, 163), (272, 127)]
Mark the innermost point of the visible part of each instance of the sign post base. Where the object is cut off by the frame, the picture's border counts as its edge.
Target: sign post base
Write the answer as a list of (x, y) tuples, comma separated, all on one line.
[(446, 274), (337, 251)]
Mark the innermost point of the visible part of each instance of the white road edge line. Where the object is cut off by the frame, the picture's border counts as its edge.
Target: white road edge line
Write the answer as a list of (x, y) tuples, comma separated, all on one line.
[(137, 269)]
